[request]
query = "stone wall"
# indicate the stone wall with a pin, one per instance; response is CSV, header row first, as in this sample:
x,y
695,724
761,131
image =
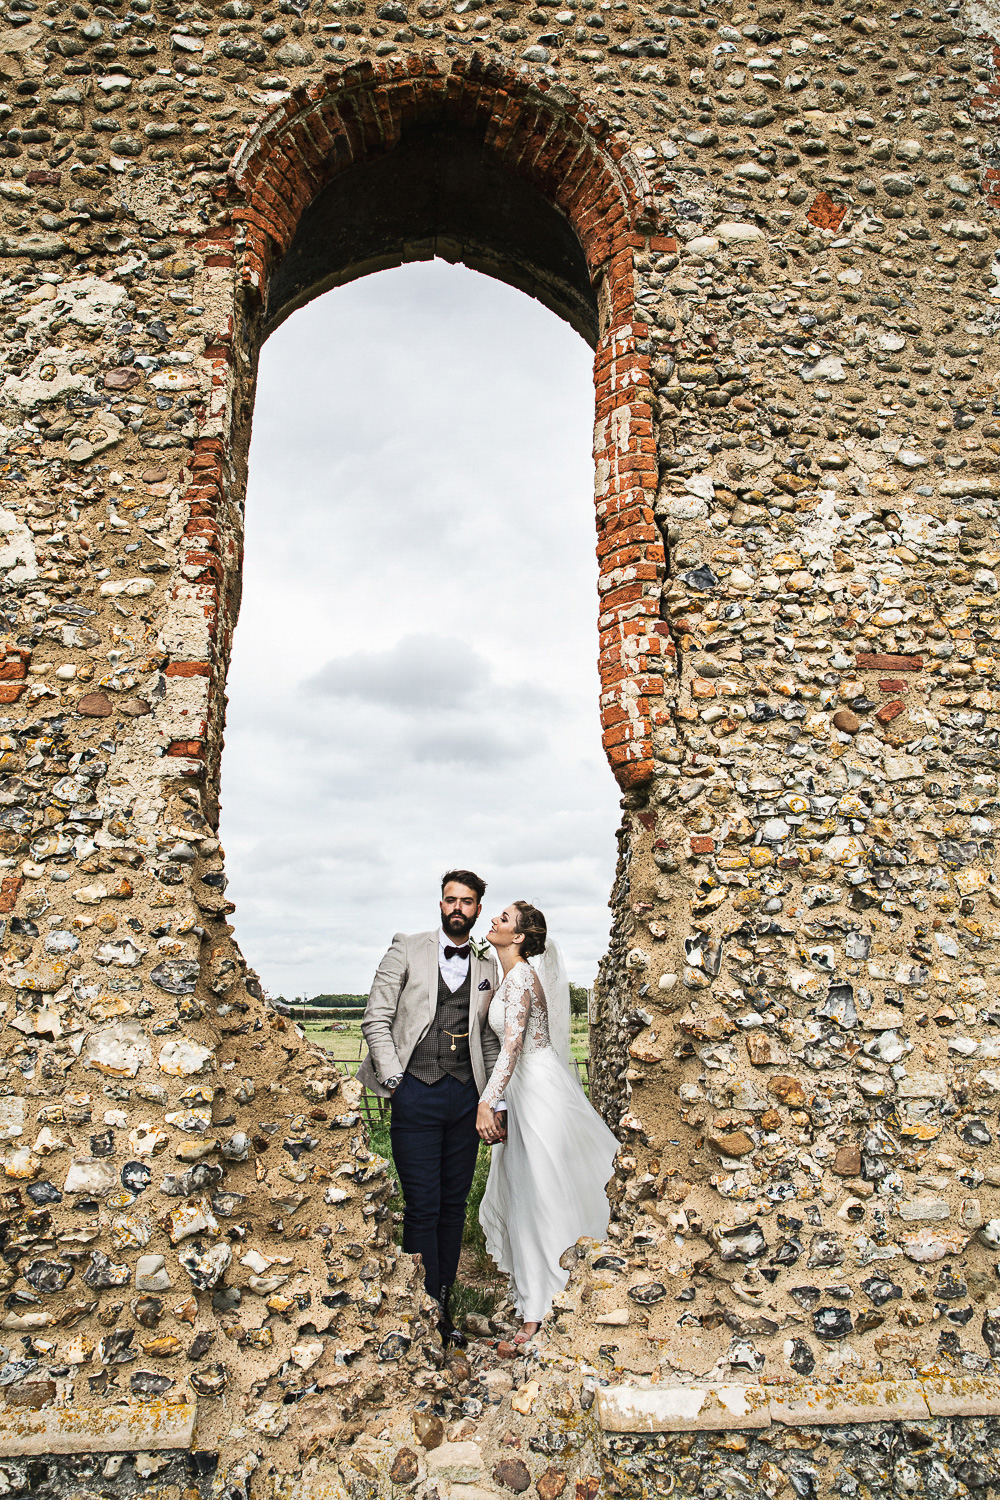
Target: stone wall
x,y
777,227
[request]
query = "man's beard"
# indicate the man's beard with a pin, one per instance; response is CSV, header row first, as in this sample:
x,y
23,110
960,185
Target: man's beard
x,y
457,925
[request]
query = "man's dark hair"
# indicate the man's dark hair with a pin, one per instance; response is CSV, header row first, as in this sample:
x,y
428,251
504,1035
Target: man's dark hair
x,y
465,877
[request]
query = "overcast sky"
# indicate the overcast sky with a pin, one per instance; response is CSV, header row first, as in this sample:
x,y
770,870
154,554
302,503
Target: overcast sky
x,y
414,680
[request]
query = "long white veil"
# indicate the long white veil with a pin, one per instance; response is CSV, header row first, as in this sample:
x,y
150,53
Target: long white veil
x,y
551,971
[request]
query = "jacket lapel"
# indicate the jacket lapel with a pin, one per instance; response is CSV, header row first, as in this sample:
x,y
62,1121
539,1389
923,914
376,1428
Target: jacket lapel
x,y
432,975
475,975
481,968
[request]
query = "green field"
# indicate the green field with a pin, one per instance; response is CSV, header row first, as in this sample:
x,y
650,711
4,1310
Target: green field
x,y
344,1040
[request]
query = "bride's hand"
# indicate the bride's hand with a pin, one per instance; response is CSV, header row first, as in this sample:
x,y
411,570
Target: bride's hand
x,y
486,1124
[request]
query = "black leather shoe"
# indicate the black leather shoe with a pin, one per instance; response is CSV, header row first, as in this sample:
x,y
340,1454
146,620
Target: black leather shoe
x,y
446,1328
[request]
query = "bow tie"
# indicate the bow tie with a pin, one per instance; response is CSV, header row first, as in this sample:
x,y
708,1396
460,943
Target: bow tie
x,y
451,952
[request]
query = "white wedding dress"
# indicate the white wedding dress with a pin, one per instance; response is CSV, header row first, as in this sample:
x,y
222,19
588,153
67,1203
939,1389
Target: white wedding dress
x,y
547,1183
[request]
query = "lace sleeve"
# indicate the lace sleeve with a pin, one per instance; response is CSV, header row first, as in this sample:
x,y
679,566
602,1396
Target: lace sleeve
x,y
516,1010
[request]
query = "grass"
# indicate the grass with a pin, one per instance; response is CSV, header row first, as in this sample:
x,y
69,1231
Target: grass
x,y
347,1044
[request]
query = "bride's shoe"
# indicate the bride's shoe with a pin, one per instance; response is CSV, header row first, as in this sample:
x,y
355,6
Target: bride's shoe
x,y
527,1333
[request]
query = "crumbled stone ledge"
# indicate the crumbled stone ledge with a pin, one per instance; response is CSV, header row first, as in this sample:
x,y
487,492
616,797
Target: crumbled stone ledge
x,y
721,1408
144,1426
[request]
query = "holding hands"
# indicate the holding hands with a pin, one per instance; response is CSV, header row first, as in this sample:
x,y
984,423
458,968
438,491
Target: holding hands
x,y
491,1124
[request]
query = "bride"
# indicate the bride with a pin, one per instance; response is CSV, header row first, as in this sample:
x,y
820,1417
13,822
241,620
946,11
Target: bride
x,y
547,1179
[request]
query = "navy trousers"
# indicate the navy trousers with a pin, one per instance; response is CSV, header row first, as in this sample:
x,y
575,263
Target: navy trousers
x,y
435,1145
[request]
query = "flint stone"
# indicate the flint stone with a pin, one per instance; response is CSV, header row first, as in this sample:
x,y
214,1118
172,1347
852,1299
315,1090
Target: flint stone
x,y
184,1058
923,1210
195,1180
455,1463
178,976
120,1050
210,1380
95,706
149,1383
513,1474
205,1267
924,1245
87,1175
49,1275
744,1243
429,1429
136,1176
103,1273
551,1484
405,1467
188,1219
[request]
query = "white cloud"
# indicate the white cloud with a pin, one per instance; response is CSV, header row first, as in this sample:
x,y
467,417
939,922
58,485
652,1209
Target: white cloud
x,y
414,680
419,674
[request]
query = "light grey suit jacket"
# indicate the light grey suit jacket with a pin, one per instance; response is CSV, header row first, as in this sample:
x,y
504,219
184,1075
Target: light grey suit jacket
x,y
403,1002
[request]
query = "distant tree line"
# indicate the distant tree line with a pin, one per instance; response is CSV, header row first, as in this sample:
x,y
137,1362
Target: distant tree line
x,y
342,1002
577,999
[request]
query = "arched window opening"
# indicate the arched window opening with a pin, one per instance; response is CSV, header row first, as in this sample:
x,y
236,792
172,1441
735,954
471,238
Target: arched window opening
x,y
414,675
436,193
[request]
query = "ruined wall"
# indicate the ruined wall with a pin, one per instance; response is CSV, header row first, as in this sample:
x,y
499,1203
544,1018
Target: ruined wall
x,y
790,276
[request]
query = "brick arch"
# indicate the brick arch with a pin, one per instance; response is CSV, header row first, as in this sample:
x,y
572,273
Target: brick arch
x,y
544,135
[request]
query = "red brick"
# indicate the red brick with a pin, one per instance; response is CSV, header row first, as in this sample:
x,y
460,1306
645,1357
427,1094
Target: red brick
x,y
14,666
187,669
868,660
9,887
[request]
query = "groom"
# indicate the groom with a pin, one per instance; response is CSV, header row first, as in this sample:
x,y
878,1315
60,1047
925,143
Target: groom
x,y
427,1052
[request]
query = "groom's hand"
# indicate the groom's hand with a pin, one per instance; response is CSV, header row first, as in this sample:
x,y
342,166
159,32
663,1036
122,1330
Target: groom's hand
x,y
500,1121
486,1124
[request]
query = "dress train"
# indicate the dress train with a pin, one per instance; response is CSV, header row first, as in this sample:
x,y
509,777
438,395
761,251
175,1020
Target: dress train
x,y
547,1182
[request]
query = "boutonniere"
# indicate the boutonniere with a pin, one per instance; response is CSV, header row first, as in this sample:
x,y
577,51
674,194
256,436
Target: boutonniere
x,y
480,947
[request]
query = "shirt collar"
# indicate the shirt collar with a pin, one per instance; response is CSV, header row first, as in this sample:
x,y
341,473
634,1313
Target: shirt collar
x,y
445,941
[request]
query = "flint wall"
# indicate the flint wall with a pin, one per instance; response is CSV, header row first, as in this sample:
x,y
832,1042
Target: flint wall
x,y
777,228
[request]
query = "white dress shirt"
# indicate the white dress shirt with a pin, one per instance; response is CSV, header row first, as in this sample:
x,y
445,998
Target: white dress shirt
x,y
454,969
453,972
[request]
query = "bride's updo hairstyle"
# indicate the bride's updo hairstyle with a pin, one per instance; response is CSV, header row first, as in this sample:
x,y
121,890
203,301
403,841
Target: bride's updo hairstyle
x,y
531,923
